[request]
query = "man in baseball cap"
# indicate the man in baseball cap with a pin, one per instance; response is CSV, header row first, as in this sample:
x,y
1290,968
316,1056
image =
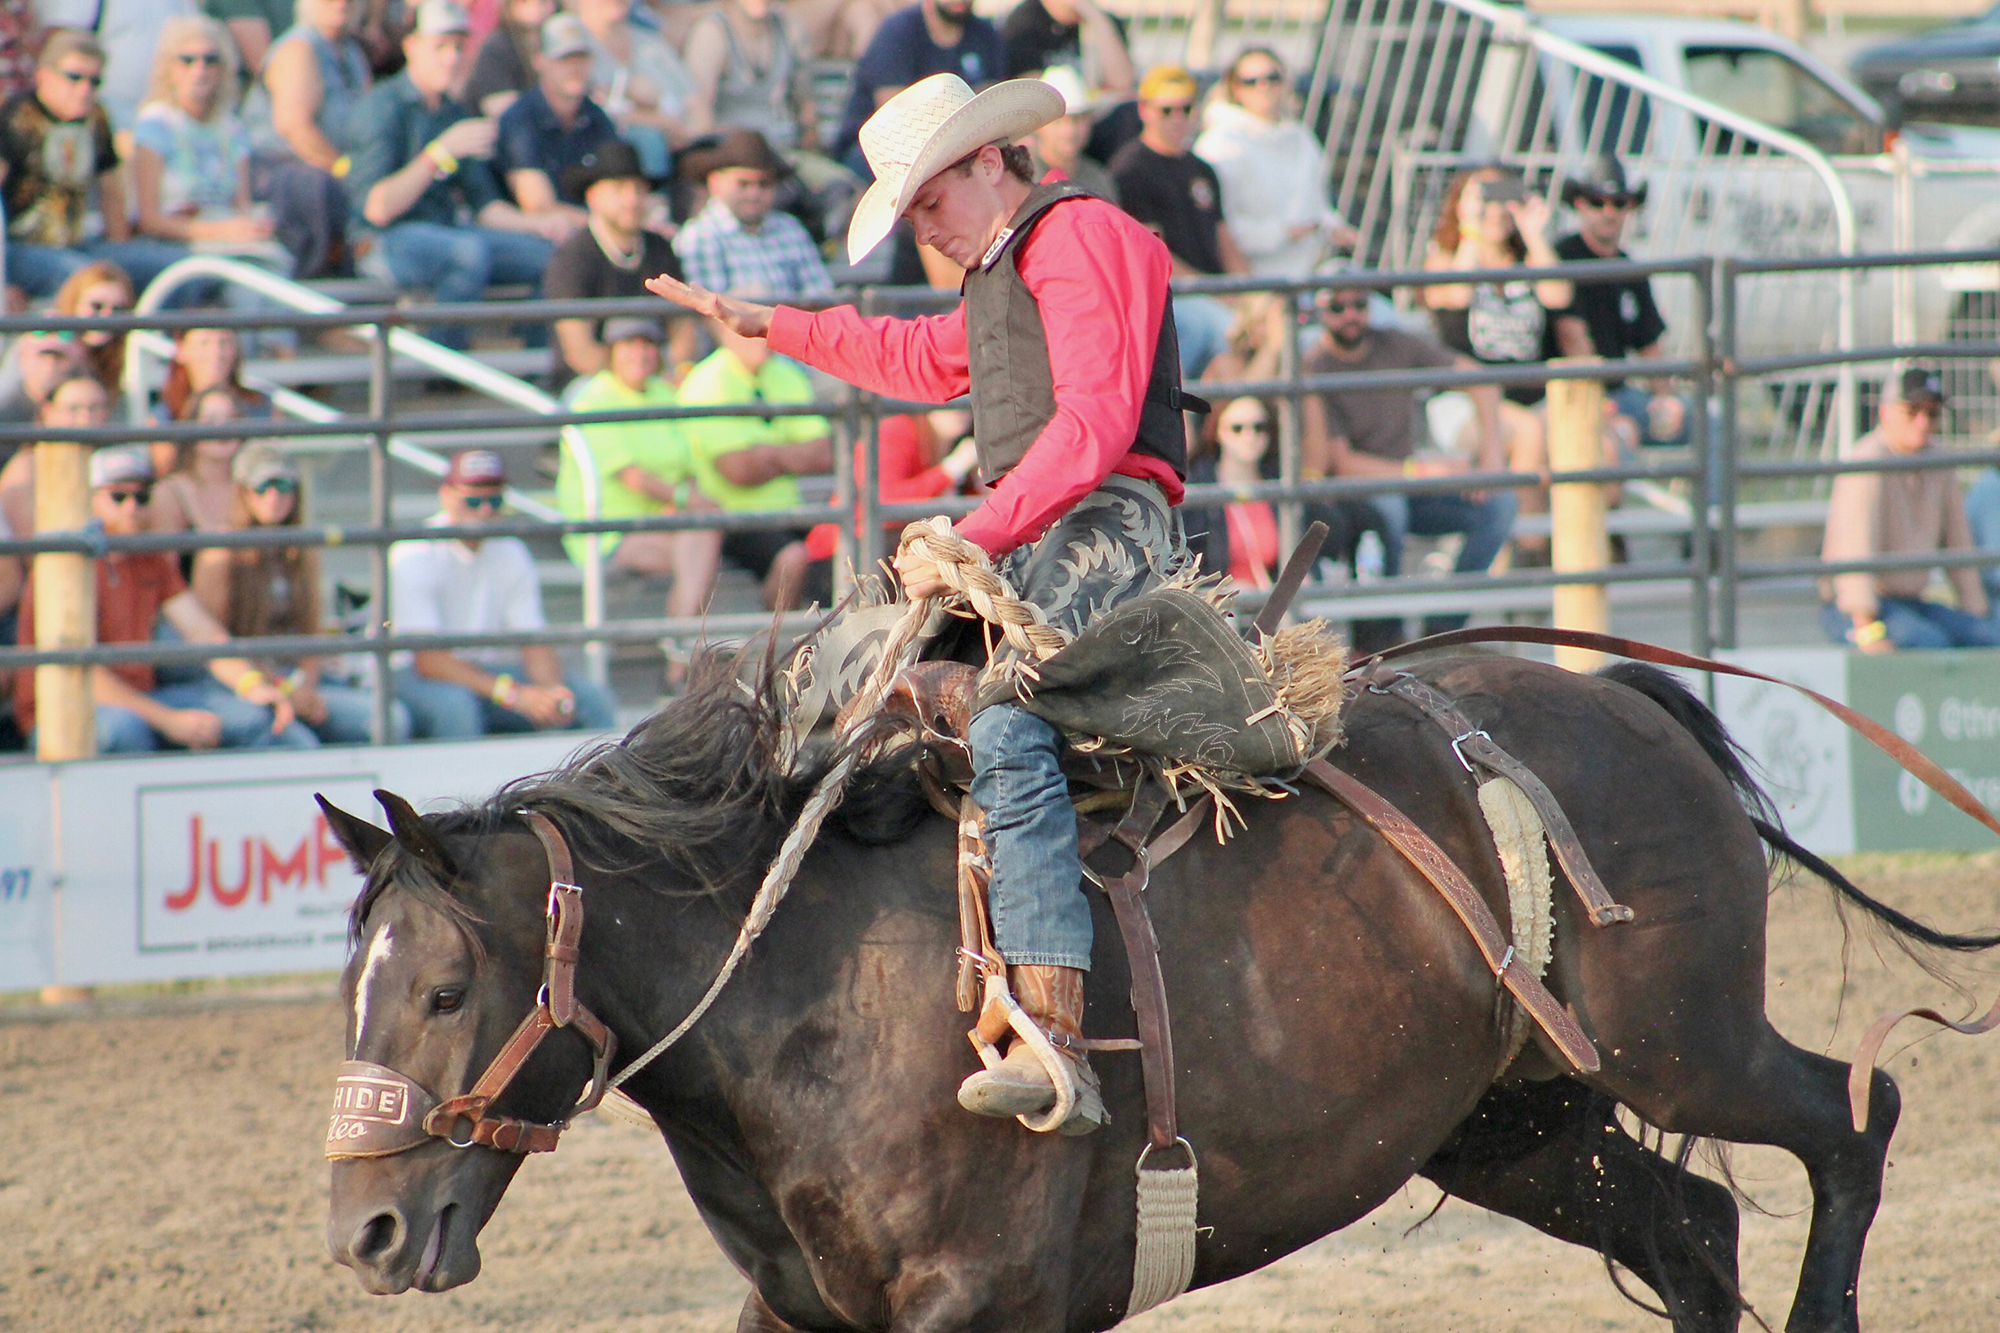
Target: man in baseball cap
x,y
1065,342
471,584
421,177
229,704
1873,514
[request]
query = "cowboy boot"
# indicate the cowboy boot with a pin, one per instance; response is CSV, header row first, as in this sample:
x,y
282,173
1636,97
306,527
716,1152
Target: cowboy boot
x,y
1019,1085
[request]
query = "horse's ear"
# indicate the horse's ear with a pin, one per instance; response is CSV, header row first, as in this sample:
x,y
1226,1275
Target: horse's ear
x,y
363,840
416,836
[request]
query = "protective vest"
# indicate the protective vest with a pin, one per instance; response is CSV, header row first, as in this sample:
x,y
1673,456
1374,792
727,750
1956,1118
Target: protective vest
x,y
1013,390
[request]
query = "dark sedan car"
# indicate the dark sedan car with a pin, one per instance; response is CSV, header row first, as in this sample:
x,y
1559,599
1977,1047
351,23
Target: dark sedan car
x,y
1950,73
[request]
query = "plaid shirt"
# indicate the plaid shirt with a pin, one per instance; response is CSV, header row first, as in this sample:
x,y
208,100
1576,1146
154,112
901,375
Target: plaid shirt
x,y
779,260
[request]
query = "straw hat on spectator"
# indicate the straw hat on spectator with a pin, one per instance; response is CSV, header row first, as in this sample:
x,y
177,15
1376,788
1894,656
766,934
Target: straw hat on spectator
x,y
929,126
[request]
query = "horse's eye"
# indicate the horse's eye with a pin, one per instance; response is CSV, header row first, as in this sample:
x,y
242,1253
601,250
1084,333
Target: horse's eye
x,y
447,1000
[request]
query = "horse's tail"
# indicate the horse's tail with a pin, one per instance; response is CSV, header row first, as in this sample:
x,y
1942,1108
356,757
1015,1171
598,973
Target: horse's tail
x,y
1700,722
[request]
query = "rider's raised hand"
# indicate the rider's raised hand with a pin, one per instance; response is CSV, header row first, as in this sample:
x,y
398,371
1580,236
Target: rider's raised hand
x,y
745,317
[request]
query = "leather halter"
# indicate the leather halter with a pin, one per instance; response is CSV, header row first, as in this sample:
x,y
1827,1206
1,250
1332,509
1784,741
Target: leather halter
x,y
378,1112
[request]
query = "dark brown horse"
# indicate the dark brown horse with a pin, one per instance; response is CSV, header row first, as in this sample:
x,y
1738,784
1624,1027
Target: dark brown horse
x,y
1337,1031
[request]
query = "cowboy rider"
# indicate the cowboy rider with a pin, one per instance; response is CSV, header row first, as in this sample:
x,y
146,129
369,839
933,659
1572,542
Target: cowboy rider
x,y
1065,341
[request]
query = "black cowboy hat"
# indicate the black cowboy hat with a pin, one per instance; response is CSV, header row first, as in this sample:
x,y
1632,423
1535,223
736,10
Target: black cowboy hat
x,y
738,148
612,160
1603,179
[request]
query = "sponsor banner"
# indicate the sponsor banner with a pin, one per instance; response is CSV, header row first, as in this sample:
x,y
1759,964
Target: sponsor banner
x,y
1803,755
1947,704
27,881
191,866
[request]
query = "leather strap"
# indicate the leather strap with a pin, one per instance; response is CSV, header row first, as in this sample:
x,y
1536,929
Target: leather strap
x,y
1474,746
1464,900
1860,1073
1297,566
1142,951
1905,754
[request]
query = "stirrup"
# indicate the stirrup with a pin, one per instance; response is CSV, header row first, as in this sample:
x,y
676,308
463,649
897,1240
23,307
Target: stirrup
x,y
1079,1105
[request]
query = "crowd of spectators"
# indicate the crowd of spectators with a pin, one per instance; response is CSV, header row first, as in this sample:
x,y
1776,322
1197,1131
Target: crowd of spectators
x,y
577,147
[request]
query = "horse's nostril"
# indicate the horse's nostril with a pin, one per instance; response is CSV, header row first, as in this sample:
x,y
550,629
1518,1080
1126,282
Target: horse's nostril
x,y
377,1236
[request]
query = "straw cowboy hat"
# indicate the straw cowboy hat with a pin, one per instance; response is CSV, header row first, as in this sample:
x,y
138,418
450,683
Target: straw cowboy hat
x,y
927,127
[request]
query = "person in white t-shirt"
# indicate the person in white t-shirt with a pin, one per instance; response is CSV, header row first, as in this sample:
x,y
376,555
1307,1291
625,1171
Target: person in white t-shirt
x,y
460,586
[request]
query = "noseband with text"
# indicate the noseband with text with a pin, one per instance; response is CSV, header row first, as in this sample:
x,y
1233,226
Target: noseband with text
x,y
378,1112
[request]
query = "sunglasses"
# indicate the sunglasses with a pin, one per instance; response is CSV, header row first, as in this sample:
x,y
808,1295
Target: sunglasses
x,y
1617,204
1174,108
1342,307
281,486
475,503
1271,80
200,57
55,335
94,80
140,496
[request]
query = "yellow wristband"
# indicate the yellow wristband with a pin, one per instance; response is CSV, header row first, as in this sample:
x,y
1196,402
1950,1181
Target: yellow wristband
x,y
1410,468
443,161
503,690
1872,632
247,682
1312,474
341,166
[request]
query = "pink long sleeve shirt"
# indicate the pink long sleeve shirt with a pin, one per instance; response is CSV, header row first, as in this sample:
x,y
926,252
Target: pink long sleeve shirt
x,y
1100,281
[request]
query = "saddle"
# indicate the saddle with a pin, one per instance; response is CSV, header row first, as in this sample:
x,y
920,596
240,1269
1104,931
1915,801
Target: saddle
x,y
936,700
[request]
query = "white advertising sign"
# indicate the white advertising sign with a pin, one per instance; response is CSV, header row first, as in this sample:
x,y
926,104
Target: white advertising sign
x,y
221,864
1800,750
27,882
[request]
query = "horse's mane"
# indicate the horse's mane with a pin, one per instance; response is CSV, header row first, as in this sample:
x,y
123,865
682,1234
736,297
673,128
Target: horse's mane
x,y
704,784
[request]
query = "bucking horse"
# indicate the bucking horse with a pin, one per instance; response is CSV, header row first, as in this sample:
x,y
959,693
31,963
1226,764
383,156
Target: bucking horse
x,y
1337,1030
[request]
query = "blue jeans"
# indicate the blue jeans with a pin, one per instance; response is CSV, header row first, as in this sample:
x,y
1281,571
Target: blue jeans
x,y
1915,623
1982,511
1486,524
458,264
1201,323
1039,912
350,717
244,725
39,269
440,710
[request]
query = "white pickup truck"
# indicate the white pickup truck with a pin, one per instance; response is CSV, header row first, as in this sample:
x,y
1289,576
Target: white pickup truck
x,y
1751,147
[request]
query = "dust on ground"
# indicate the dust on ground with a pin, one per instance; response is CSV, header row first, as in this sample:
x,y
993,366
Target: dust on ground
x,y
161,1171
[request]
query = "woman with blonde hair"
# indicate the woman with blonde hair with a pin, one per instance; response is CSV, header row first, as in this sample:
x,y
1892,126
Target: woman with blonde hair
x,y
274,590
1272,169
191,155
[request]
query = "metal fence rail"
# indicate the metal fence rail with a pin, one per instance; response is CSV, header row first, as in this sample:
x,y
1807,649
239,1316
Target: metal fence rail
x,y
1717,373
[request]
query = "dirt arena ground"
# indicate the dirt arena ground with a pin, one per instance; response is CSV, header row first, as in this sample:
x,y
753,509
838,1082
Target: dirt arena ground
x,y
161,1171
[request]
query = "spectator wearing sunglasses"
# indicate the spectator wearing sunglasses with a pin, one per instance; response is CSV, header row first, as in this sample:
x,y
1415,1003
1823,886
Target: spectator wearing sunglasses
x,y
35,365
256,592
1374,433
1901,513
98,289
1616,319
1271,169
231,704
1179,197
191,155
473,585
55,140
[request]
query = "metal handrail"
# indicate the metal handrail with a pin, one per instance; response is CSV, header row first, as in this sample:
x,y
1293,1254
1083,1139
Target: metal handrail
x,y
453,365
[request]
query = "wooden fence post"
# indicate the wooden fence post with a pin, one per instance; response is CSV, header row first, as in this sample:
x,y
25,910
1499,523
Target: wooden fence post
x,y
65,605
1578,540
